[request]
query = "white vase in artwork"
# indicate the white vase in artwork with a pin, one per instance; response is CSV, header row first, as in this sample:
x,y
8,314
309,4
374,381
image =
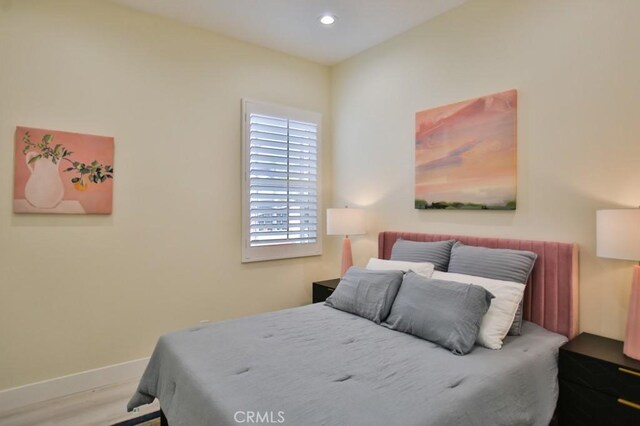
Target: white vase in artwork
x,y
44,188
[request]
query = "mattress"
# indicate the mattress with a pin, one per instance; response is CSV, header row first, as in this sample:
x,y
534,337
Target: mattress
x,y
315,365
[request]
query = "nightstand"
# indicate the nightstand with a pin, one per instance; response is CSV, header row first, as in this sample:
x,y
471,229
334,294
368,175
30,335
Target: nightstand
x,y
598,384
323,289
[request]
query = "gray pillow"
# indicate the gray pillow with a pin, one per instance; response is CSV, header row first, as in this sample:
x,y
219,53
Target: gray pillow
x,y
444,312
366,293
436,252
498,264
516,325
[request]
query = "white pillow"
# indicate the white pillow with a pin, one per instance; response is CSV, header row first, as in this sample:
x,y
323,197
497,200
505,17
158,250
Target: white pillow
x,y
421,268
497,321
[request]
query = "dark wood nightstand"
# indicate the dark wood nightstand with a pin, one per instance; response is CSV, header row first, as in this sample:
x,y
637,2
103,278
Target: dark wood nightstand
x,y
599,385
323,289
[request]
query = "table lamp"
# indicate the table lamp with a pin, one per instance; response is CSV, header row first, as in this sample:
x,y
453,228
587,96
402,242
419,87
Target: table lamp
x,y
618,237
345,222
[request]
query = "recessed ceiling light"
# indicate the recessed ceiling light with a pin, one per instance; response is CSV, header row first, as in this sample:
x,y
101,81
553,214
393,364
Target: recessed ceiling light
x,y
327,19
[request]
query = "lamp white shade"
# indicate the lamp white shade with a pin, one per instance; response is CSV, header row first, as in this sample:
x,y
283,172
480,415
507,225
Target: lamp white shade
x,y
618,234
345,221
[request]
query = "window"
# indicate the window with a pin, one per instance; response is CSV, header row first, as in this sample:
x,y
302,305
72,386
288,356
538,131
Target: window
x,y
281,215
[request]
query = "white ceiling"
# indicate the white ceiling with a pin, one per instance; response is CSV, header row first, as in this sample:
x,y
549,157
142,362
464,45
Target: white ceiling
x,y
292,26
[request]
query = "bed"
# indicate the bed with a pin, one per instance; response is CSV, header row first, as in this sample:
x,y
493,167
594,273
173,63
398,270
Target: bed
x,y
315,365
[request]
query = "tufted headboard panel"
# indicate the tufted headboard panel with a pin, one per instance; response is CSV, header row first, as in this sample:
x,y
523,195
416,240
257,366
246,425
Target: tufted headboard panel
x,y
551,295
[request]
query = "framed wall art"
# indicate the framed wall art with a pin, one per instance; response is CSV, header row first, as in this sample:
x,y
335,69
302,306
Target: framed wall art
x,y
62,172
466,154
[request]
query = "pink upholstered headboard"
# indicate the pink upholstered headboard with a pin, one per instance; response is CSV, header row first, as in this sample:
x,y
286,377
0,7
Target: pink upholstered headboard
x,y
551,295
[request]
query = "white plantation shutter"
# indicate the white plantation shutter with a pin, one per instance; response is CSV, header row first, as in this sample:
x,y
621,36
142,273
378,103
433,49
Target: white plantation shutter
x,y
281,211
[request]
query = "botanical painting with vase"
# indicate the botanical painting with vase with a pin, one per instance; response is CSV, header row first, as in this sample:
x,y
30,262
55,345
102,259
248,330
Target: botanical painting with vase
x,y
62,172
466,154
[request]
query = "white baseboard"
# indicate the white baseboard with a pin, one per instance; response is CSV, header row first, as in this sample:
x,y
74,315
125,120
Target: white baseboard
x,y
13,398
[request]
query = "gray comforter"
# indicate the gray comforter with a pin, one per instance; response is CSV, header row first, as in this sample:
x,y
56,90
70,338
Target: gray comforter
x,y
315,365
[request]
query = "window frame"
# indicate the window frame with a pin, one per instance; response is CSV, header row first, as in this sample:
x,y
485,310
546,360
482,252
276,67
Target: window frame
x,y
278,251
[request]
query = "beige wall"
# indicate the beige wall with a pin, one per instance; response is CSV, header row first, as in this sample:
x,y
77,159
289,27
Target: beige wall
x,y
82,292
576,65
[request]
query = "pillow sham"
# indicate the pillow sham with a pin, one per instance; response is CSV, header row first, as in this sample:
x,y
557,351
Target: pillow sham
x,y
436,252
368,294
497,264
498,319
444,312
422,268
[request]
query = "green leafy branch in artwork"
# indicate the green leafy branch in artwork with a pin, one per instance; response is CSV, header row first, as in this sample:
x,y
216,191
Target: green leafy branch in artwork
x,y
44,149
94,172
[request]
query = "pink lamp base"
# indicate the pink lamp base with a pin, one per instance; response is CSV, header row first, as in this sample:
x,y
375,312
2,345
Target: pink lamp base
x,y
632,338
347,258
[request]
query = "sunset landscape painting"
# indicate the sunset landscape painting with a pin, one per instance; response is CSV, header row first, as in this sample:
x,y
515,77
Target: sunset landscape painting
x,y
466,154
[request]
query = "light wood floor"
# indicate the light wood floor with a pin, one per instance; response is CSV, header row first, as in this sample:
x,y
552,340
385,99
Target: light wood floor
x,y
101,406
